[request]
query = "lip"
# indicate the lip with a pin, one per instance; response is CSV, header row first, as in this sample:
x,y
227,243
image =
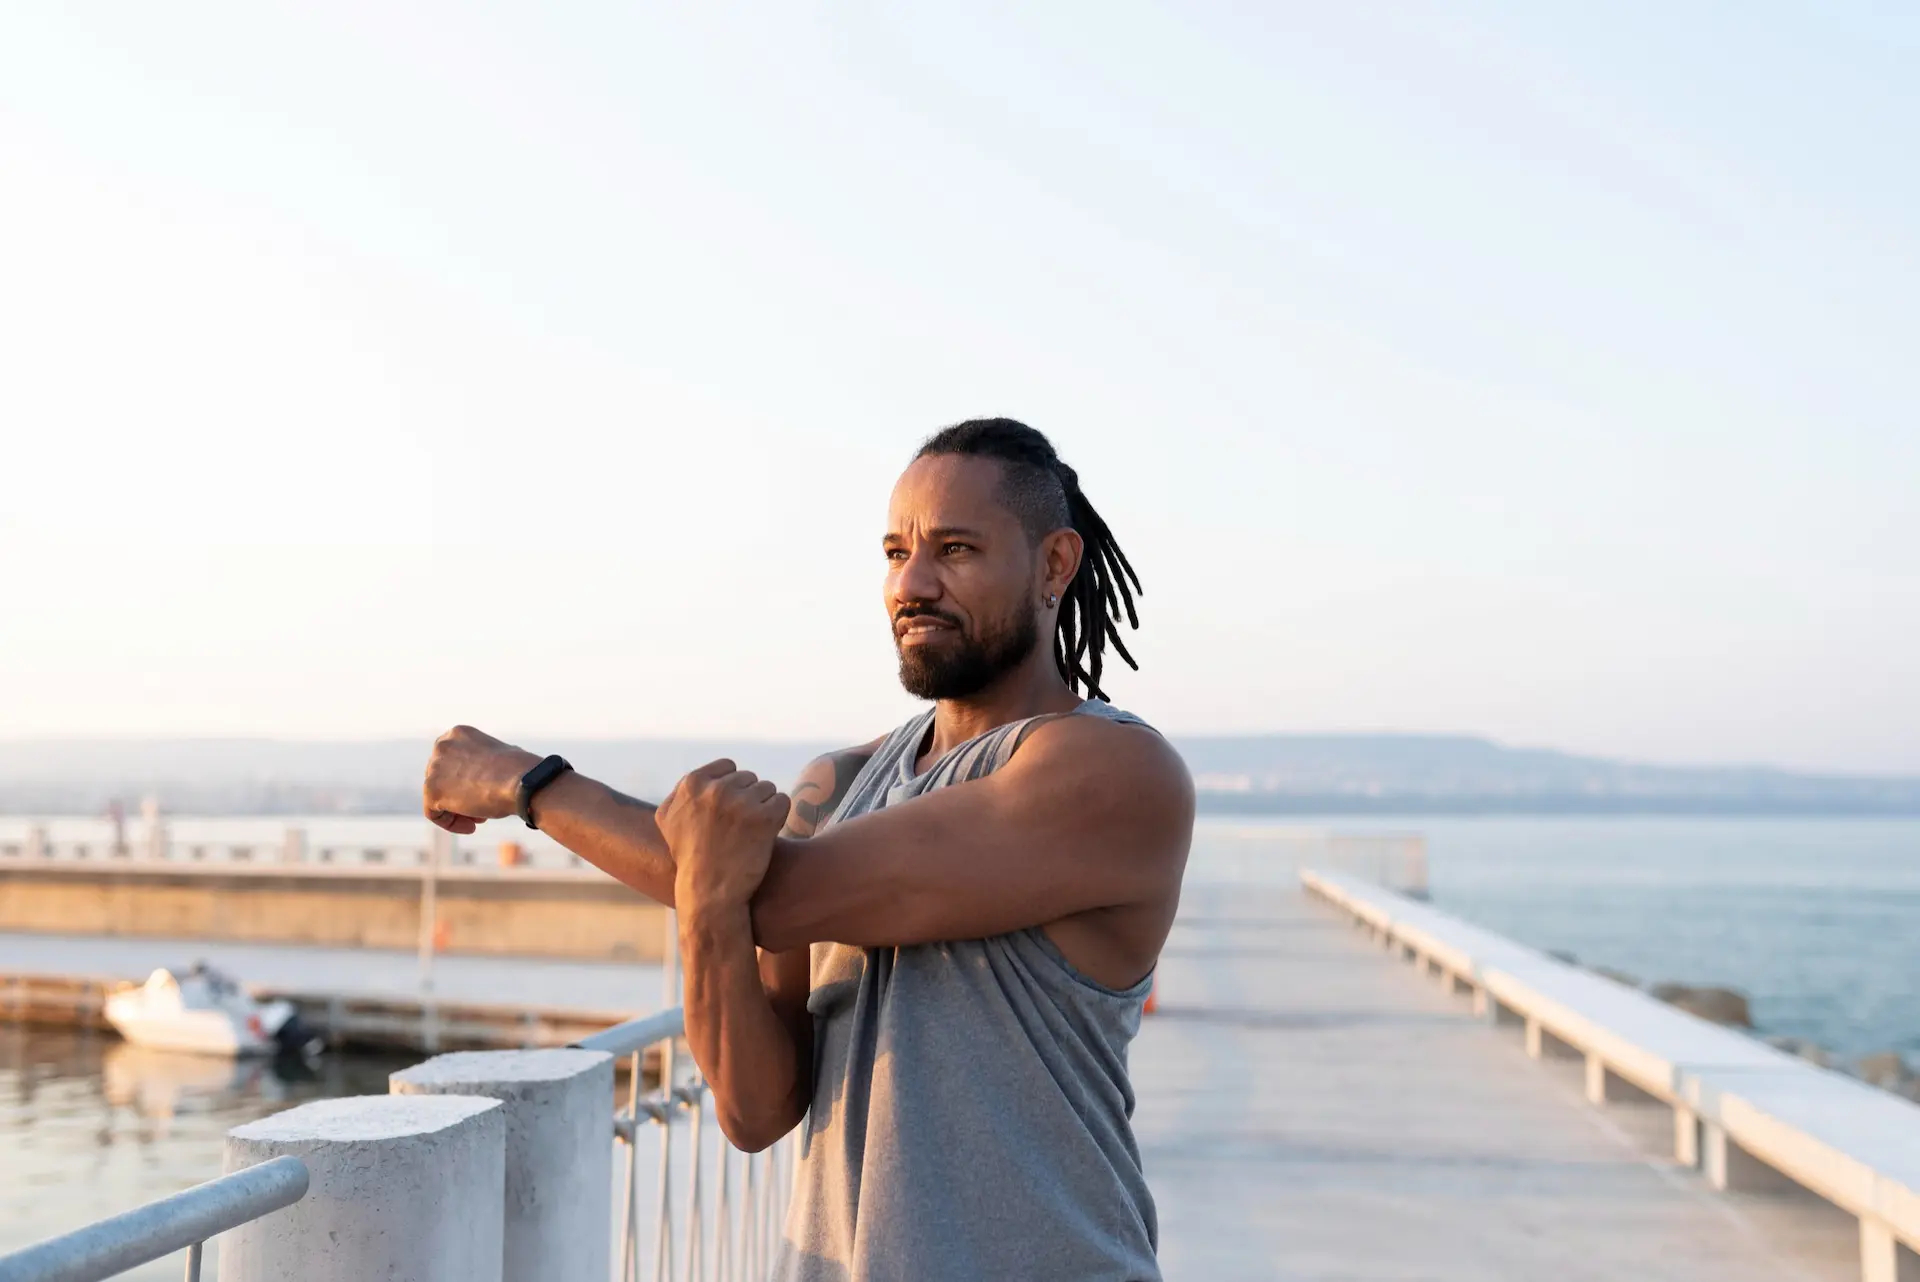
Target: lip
x,y
920,629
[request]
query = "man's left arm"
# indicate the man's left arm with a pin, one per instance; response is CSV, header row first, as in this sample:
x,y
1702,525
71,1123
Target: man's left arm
x,y
1088,815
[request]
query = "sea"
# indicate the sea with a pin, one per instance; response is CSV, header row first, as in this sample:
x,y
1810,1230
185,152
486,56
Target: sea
x,y
1817,921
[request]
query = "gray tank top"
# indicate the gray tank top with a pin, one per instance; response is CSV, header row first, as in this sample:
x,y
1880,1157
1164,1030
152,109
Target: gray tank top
x,y
971,1116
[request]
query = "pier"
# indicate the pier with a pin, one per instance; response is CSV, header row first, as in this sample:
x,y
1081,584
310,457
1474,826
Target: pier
x,y
292,891
1312,1106
1339,1082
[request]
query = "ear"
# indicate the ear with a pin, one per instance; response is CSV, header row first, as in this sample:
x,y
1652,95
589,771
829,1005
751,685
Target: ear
x,y
1060,554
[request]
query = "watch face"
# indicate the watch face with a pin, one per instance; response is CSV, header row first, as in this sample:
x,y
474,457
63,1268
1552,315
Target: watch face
x,y
549,769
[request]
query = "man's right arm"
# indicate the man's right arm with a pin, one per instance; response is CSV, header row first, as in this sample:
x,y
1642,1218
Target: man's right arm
x,y
473,777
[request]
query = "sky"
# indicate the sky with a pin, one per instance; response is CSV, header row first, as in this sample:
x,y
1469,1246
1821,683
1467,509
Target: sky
x,y
1543,371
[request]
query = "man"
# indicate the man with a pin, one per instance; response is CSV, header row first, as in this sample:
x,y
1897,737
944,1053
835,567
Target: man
x,y
956,927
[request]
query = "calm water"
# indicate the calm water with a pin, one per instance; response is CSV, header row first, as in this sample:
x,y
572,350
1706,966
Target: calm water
x,y
1817,920
90,1126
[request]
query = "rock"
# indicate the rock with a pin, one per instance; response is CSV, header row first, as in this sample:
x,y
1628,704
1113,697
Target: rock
x,y
1561,955
1715,1005
1812,1052
1888,1070
1617,976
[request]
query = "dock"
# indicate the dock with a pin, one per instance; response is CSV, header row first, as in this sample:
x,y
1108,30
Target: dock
x,y
357,998
1311,1107
1349,1084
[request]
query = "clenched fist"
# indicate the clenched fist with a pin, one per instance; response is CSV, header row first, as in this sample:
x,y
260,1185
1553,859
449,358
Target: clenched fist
x,y
720,822
473,777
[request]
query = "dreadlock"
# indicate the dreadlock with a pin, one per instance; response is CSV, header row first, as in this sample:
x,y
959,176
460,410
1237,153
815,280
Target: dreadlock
x,y
1045,494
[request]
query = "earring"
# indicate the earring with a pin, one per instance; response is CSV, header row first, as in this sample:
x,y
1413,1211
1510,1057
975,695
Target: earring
x,y
1052,600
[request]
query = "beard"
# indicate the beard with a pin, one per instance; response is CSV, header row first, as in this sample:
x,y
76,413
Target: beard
x,y
967,664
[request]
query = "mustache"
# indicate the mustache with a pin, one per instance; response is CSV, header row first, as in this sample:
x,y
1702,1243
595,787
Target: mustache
x,y
923,612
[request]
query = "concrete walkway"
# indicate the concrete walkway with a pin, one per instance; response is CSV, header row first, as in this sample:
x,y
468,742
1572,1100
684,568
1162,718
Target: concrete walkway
x,y
1311,1108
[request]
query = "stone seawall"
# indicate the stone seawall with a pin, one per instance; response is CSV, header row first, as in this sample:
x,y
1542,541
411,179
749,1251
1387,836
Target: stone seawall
x,y
515,912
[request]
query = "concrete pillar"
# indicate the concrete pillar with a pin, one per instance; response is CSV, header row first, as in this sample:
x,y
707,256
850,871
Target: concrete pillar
x,y
293,847
153,843
558,1106
1883,1258
1732,1169
1607,1087
1686,1136
402,1187
37,845
1542,1044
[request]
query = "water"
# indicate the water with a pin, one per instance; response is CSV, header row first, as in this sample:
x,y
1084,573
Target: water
x,y
1817,920
90,1126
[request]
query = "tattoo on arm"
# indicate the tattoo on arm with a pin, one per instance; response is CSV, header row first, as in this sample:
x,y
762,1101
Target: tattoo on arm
x,y
822,787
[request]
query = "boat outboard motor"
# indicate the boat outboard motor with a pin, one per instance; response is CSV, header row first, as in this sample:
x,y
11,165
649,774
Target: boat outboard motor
x,y
296,1037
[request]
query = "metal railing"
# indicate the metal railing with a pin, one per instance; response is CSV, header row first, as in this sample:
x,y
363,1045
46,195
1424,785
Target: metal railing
x,y
739,1241
182,1222
159,849
750,1191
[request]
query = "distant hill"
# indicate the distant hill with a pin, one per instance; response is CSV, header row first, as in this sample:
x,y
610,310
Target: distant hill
x,y
1461,773
1274,774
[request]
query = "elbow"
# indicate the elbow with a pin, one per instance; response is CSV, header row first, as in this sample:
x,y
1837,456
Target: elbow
x,y
755,1125
755,1133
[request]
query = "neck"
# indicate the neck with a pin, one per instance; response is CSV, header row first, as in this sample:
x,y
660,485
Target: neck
x,y
1029,690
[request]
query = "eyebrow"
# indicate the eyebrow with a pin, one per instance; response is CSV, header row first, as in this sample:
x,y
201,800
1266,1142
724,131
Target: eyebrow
x,y
941,532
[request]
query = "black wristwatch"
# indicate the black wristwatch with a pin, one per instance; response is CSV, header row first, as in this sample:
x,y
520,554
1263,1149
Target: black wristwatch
x,y
549,769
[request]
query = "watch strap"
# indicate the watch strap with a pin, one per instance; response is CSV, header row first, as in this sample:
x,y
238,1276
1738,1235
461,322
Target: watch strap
x,y
545,772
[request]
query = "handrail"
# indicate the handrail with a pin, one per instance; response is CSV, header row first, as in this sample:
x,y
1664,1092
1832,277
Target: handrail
x,y
637,1034
158,1229
1745,1114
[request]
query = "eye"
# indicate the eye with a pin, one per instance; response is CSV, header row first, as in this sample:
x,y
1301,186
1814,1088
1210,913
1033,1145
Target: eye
x,y
951,548
896,554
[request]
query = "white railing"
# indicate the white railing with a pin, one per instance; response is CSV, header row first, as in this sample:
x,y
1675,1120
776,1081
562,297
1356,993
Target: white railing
x,y
291,848
665,1231
182,1222
749,1207
1746,1115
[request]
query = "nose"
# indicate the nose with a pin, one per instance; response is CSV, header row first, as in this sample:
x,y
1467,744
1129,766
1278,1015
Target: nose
x,y
915,579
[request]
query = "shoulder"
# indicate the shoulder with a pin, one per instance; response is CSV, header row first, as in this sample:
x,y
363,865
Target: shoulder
x,y
823,784
1127,761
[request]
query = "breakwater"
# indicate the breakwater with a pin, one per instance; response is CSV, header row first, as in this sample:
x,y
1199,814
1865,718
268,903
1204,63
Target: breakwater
x,y
574,913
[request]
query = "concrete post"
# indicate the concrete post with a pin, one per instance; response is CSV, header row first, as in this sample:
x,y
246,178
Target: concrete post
x,y
1730,1168
293,847
558,1106
1536,1039
156,828
402,1187
1883,1258
1686,1137
1607,1087
37,847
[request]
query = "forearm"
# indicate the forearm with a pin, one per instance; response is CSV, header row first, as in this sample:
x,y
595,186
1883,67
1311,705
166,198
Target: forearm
x,y
610,830
751,1060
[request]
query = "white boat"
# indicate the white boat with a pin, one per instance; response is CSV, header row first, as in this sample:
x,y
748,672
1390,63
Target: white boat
x,y
204,1012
